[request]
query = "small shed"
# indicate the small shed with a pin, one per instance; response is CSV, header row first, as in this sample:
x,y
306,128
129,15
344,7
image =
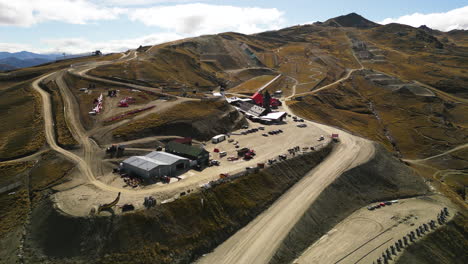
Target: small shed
x,y
190,152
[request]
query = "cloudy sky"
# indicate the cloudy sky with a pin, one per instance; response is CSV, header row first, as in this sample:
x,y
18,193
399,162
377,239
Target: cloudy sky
x,y
74,26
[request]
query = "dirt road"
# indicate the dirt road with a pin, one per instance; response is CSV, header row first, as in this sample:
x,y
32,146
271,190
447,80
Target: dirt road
x,y
328,85
71,111
364,235
258,241
438,155
50,133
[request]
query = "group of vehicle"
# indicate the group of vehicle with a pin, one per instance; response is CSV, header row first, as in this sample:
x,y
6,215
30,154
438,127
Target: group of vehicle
x,y
381,204
252,130
273,132
296,119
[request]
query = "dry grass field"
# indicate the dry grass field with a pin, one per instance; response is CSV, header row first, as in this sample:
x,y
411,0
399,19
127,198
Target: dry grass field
x,y
420,126
21,132
251,86
178,120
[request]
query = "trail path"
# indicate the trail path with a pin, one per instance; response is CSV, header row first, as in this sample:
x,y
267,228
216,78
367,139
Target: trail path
x,y
438,155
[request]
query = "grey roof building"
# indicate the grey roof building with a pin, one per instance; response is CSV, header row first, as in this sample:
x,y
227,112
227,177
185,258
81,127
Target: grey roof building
x,y
156,164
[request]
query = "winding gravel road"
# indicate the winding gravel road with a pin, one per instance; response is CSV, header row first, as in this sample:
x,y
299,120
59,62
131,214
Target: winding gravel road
x,y
258,241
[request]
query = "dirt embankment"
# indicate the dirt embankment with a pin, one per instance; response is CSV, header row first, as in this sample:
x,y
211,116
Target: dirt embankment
x,y
447,245
176,232
381,178
200,120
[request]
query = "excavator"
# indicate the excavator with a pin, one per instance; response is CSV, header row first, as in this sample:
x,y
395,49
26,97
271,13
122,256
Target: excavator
x,y
103,207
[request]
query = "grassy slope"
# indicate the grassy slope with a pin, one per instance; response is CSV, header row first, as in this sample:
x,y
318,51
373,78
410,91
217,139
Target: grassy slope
x,y
185,113
21,132
166,66
252,85
414,57
421,127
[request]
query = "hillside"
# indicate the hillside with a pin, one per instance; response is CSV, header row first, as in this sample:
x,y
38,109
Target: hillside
x,y
350,20
393,96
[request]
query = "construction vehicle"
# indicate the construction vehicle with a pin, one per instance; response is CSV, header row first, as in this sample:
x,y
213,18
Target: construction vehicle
x,y
335,137
108,206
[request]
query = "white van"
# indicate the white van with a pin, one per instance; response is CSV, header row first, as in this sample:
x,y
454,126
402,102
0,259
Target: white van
x,y
218,138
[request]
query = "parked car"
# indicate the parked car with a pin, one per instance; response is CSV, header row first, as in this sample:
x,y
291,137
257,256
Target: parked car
x,y
261,128
370,208
232,158
265,135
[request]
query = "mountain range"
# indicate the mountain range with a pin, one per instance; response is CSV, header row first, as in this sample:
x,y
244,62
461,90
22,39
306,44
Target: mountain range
x,y
23,59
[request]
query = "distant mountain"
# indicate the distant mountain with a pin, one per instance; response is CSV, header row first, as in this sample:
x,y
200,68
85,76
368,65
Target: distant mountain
x,y
350,20
24,55
6,67
23,59
18,63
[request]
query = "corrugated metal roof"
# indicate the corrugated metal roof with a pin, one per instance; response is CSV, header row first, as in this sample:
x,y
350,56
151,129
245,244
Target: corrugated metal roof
x,y
141,162
252,109
153,160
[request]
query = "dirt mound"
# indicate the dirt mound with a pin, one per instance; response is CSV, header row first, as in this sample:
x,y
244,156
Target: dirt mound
x,y
381,178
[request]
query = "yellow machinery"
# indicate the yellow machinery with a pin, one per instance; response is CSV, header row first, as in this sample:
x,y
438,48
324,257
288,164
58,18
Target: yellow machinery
x,y
103,207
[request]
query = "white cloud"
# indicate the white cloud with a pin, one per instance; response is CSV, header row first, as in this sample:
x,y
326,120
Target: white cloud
x,y
14,47
30,12
79,45
144,2
198,19
453,19
82,45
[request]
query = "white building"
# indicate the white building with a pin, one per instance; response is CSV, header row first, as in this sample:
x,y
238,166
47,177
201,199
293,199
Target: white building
x,y
156,164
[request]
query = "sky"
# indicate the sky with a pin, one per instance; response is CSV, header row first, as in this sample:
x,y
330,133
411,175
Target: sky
x,y
76,26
